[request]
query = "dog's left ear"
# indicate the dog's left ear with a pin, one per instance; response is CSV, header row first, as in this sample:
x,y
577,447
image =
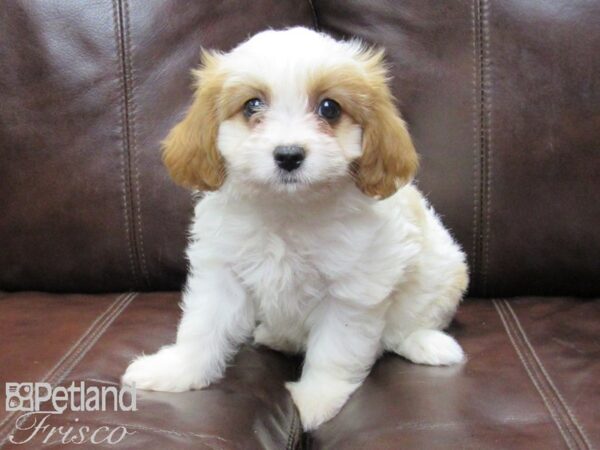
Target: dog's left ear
x,y
389,160
190,150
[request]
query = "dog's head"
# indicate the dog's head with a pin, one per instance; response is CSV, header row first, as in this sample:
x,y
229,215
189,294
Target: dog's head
x,y
290,110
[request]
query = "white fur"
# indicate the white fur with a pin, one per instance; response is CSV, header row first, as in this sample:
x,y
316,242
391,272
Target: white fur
x,y
311,266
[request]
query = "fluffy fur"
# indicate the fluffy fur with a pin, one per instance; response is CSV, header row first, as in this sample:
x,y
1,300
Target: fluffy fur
x,y
341,259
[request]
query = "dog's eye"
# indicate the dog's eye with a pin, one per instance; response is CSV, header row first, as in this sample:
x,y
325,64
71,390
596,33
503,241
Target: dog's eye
x,y
329,109
252,106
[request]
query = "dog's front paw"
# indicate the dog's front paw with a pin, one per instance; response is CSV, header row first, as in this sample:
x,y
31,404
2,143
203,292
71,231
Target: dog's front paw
x,y
171,369
320,401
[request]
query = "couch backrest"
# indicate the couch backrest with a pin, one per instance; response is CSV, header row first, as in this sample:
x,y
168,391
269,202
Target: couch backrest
x,y
502,98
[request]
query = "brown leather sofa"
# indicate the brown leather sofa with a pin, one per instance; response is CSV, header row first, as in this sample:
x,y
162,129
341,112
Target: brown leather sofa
x,y
503,101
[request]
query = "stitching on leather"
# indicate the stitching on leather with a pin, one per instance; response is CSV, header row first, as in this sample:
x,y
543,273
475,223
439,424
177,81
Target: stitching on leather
x,y
93,338
89,337
476,125
99,381
487,111
72,348
482,150
315,16
95,324
554,408
556,391
124,140
542,381
481,142
80,349
536,370
532,377
129,157
129,73
293,432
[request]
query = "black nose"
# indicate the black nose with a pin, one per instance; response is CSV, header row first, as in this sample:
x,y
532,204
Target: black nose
x,y
289,157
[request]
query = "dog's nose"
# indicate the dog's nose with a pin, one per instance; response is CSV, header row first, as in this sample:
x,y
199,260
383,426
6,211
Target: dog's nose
x,y
289,157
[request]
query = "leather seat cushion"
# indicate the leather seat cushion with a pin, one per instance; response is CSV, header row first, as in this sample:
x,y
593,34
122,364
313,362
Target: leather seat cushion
x,y
531,379
65,338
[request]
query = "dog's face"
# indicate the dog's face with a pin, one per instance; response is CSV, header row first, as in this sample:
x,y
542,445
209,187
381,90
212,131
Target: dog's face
x,y
288,111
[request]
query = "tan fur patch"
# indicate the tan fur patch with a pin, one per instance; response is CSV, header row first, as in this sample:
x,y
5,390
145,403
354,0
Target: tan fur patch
x,y
189,151
389,158
235,95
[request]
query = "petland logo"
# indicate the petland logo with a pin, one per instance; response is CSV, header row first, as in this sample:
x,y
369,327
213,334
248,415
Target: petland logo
x,y
39,401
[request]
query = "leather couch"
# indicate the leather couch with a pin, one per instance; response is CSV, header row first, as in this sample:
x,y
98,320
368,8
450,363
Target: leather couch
x,y
503,101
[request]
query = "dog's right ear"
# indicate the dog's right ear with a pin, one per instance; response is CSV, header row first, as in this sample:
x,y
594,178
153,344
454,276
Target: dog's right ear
x,y
190,150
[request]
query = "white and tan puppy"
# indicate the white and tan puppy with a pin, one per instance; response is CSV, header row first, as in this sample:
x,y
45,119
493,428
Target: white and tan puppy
x,y
313,239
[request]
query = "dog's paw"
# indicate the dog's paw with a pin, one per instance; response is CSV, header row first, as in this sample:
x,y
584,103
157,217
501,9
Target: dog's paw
x,y
431,347
318,402
169,370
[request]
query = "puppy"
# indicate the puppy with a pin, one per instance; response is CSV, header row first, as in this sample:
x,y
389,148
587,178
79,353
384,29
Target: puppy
x,y
312,238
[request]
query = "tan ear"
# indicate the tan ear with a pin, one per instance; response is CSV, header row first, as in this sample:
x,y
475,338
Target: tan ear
x,y
189,151
389,159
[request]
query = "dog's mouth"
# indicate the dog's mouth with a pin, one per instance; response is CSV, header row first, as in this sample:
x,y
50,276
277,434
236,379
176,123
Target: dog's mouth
x,y
290,179
290,182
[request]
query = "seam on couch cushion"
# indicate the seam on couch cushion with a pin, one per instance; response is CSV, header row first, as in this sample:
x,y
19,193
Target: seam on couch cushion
x,y
124,141
129,84
76,352
128,158
563,417
545,373
294,432
486,82
481,143
475,109
94,324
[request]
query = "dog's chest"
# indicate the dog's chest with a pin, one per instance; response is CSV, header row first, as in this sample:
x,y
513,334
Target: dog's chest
x,y
280,267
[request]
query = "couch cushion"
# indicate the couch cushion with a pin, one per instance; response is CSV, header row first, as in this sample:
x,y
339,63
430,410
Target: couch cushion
x,y
531,381
87,92
501,98
503,102
61,339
